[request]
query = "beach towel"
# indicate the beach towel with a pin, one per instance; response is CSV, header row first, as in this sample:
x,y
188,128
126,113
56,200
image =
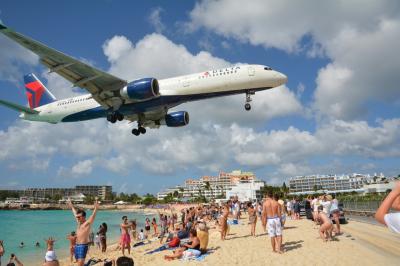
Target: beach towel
x,y
163,247
141,243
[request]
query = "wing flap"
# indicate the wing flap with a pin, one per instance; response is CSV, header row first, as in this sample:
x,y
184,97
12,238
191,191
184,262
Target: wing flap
x,y
17,107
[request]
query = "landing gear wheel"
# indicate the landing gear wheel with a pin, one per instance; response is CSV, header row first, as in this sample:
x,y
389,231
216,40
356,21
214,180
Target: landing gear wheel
x,y
109,117
247,106
142,130
113,119
119,116
135,132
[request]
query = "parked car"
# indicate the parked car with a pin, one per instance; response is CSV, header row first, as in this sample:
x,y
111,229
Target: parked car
x,y
308,212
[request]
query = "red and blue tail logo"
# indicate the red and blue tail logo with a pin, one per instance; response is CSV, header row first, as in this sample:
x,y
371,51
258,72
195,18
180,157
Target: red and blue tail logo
x,y
36,92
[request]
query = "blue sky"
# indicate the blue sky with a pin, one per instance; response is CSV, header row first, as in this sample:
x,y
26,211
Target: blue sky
x,y
338,113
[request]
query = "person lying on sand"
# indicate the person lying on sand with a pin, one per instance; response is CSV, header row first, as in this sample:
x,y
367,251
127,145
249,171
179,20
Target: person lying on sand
x,y
382,215
191,249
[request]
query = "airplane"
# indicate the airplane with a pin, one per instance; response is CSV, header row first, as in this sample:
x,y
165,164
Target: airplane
x,y
145,100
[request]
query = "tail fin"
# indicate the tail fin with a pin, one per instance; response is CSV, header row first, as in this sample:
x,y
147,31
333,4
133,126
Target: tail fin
x,y
36,92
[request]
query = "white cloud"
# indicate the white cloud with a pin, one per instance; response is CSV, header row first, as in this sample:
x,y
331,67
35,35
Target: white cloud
x,y
82,168
15,60
210,141
361,42
155,19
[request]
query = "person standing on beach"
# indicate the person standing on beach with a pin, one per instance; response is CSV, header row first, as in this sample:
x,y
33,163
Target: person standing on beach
x,y
335,214
223,221
325,231
272,211
154,223
82,231
252,218
72,242
125,240
103,237
382,215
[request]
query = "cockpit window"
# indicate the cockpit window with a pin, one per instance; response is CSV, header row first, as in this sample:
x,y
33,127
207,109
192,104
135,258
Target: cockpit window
x,y
267,68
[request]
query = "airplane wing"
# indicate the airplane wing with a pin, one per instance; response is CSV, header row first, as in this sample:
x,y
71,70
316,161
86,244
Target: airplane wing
x,y
103,86
18,107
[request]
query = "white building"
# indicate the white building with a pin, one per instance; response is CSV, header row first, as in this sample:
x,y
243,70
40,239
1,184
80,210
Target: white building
x,y
326,184
246,190
210,187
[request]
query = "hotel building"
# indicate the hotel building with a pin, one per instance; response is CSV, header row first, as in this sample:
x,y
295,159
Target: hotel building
x,y
326,183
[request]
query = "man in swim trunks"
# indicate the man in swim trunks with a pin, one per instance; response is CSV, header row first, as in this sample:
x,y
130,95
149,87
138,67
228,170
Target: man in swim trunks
x,y
125,240
82,231
272,212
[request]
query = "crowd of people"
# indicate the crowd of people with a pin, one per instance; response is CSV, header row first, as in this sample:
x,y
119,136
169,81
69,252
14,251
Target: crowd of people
x,y
187,234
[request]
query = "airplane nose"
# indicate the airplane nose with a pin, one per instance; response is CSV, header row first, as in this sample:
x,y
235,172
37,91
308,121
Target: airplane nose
x,y
281,78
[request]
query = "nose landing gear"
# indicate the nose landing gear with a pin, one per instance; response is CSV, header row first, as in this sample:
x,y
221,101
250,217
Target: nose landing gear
x,y
247,105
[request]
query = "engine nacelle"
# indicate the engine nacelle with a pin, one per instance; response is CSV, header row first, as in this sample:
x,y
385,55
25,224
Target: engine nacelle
x,y
141,89
176,119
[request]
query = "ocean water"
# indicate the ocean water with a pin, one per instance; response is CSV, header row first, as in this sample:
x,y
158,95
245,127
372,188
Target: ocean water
x,y
35,226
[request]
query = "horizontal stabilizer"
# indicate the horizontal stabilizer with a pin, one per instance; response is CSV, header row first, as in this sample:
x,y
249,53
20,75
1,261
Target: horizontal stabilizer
x,y
18,107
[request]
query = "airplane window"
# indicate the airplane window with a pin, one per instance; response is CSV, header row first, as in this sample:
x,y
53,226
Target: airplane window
x,y
267,68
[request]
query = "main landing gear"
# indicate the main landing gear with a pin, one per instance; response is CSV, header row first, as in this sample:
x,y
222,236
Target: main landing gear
x,y
139,130
247,106
114,117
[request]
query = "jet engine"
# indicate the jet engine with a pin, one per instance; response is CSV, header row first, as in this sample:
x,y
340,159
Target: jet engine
x,y
176,119
141,89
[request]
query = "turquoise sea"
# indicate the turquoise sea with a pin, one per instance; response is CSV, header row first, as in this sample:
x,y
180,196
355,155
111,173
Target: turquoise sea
x,y
32,226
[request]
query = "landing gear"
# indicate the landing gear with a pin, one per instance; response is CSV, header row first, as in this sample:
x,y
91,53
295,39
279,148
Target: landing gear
x,y
139,130
247,106
114,116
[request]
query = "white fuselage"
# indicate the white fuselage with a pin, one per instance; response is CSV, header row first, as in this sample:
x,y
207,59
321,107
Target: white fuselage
x,y
231,79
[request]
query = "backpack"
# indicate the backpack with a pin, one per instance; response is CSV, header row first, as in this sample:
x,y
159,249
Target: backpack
x,y
174,242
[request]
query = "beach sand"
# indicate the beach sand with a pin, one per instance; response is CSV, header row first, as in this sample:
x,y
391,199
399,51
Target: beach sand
x,y
360,244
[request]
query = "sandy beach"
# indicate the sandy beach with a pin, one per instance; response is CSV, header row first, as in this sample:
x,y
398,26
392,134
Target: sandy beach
x,y
360,244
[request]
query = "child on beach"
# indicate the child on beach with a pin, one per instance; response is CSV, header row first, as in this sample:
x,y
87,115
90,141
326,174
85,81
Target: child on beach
x,y
50,257
391,220
72,242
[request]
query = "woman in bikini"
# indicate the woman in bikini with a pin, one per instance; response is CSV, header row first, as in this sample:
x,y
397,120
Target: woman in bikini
x,y
252,218
223,221
154,223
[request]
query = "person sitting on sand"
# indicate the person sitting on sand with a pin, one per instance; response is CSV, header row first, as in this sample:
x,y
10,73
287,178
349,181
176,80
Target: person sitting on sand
x,y
382,215
191,249
125,240
83,229
252,218
325,230
72,242
202,234
272,212
50,258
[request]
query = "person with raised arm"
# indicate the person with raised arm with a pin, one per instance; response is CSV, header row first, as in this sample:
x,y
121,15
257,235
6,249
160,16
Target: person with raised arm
x,y
83,230
392,201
